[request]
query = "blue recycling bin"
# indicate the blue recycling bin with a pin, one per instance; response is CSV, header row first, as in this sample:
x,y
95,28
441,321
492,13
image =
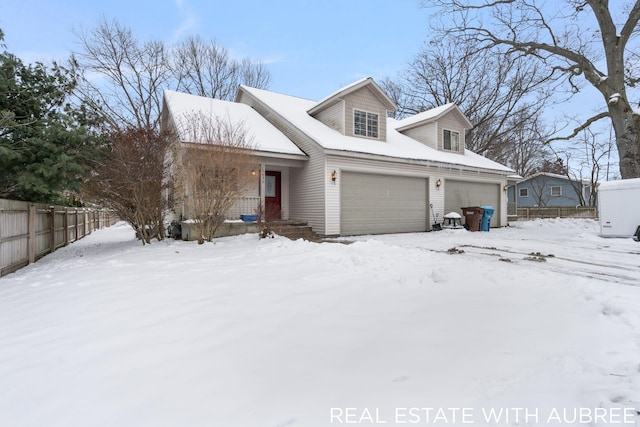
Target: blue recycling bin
x,y
485,224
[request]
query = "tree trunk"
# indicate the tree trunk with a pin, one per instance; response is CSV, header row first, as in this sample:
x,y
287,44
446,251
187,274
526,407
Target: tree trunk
x,y
626,126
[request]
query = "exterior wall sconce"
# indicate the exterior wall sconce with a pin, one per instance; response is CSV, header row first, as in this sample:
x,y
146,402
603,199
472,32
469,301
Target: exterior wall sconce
x,y
334,176
253,172
505,188
438,184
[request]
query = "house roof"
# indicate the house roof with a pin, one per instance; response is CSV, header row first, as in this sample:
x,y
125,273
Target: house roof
x,y
432,115
265,137
340,93
553,175
295,111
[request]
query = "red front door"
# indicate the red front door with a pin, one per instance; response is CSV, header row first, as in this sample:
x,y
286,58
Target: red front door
x,y
272,195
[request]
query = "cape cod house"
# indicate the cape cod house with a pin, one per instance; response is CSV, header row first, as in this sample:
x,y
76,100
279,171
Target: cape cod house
x,y
346,168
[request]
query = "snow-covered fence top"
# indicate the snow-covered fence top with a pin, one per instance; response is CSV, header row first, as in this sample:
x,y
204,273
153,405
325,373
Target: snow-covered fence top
x,y
29,231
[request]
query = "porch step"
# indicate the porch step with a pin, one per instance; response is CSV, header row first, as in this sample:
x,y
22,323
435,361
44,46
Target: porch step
x,y
293,230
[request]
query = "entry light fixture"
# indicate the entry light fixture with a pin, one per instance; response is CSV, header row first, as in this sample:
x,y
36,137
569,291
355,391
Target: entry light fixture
x,y
505,188
334,176
438,184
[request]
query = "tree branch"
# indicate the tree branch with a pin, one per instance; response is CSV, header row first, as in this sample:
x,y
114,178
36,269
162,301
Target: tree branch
x,y
580,128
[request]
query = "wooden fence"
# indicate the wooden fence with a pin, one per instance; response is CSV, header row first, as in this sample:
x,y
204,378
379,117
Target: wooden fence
x,y
29,231
525,214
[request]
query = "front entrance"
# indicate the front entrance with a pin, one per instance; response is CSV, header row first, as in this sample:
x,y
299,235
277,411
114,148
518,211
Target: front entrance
x,y
272,195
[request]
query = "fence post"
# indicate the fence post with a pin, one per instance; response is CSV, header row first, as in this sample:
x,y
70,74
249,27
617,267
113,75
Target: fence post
x,y
52,228
31,245
76,223
65,222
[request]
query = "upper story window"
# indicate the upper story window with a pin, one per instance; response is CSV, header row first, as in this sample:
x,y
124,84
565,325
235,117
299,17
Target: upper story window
x,y
365,124
556,190
524,192
450,140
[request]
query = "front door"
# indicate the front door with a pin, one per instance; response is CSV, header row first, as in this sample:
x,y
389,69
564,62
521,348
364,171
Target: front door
x,y
272,195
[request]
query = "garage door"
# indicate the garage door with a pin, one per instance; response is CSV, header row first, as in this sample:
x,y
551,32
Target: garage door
x,y
459,194
373,204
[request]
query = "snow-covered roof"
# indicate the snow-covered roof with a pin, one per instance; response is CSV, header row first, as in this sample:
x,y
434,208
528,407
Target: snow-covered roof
x,y
431,116
295,110
367,81
265,137
555,175
620,184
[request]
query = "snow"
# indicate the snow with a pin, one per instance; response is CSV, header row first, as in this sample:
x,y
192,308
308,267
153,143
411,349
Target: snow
x,y
397,145
542,315
265,136
619,184
613,99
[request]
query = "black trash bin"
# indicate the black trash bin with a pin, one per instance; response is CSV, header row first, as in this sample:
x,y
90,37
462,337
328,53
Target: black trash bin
x,y
472,217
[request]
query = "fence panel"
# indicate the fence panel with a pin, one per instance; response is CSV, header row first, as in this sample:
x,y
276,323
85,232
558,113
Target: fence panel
x,y
525,214
29,231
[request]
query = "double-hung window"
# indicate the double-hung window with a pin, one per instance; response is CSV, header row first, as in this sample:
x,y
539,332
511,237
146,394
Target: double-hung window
x,y
524,192
450,140
365,124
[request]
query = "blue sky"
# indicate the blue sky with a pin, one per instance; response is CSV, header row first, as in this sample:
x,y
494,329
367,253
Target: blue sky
x,y
311,47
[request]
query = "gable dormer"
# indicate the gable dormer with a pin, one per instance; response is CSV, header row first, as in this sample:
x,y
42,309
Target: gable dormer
x,y
442,128
359,110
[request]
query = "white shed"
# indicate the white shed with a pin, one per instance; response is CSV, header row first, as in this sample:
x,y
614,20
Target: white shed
x,y
619,207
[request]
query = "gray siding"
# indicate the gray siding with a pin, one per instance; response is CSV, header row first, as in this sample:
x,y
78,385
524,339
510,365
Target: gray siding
x,y
427,134
333,116
364,100
307,184
450,122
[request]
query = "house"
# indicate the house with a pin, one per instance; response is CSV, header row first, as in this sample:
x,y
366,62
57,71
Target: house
x,y
550,190
346,168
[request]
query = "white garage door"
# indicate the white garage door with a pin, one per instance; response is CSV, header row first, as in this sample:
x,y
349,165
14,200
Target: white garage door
x,y
462,194
374,204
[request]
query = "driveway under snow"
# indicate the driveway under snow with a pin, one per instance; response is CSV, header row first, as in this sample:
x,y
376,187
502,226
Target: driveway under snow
x,y
530,322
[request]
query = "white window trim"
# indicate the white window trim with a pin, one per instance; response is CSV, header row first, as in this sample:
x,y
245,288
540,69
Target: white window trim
x,y
452,148
366,124
520,192
556,186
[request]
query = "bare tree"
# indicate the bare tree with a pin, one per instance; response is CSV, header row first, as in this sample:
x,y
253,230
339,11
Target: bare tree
x,y
207,69
525,150
579,41
123,78
215,169
131,180
587,156
500,93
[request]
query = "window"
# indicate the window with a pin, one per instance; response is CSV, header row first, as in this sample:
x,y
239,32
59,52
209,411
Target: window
x,y
556,191
365,124
524,192
451,140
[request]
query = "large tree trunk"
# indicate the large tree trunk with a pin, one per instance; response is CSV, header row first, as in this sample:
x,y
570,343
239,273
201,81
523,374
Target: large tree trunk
x,y
626,126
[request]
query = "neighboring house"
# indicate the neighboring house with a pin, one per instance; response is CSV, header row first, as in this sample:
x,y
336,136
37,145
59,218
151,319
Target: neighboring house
x,y
345,167
549,190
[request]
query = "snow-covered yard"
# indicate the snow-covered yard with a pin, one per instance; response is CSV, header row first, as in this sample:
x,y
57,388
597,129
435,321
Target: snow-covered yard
x,y
393,329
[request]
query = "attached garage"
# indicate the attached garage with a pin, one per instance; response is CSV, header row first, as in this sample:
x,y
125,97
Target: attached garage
x,y
375,204
459,194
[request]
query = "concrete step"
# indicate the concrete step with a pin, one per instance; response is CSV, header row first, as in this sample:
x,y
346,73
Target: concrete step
x,y
292,230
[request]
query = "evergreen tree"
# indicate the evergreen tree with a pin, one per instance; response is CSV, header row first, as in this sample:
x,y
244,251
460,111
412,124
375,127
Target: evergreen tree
x,y
45,144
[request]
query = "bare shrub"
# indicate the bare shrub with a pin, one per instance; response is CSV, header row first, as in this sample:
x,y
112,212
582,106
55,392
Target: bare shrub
x,y
131,179
215,169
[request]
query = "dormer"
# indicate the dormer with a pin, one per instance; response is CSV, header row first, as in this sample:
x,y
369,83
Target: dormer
x,y
358,110
442,128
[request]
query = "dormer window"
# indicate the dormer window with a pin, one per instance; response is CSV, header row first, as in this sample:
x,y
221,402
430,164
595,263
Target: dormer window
x,y
451,140
365,124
